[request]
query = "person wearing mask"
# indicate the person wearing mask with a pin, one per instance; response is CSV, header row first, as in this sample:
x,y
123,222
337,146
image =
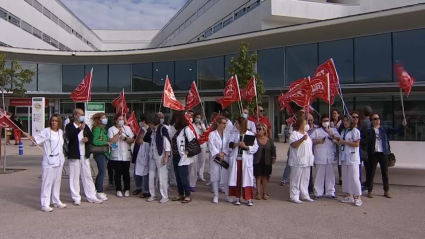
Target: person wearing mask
x,y
312,127
141,168
251,125
159,151
171,131
229,127
200,129
260,118
324,158
109,167
336,123
100,138
300,159
80,137
264,158
193,167
52,164
122,137
363,144
350,160
241,177
180,159
17,129
379,150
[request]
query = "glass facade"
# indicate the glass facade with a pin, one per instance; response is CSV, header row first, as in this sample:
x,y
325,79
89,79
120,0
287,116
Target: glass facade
x,y
72,75
32,86
119,77
301,61
49,77
270,66
211,73
142,77
342,53
99,78
185,73
160,72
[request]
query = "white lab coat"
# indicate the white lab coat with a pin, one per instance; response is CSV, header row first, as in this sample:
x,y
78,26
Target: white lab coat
x,y
252,127
184,160
229,127
122,153
247,163
352,154
216,145
142,160
350,167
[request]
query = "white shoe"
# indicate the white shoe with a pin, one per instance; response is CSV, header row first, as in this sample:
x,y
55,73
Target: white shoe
x,y
250,203
215,200
358,202
59,205
151,199
237,202
229,199
94,200
348,200
119,194
308,199
127,193
164,200
77,203
46,209
297,201
102,196
208,184
202,179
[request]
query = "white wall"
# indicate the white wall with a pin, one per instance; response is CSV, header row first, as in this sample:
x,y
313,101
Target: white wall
x,y
125,39
376,5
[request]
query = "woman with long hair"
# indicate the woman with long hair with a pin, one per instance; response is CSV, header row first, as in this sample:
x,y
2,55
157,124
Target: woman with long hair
x,y
363,145
264,158
100,138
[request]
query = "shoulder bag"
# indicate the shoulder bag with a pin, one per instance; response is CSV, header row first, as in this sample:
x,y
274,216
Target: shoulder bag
x,y
193,147
94,149
391,157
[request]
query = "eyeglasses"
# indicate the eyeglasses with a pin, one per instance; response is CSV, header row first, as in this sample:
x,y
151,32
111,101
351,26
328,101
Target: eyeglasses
x,y
259,129
376,119
355,117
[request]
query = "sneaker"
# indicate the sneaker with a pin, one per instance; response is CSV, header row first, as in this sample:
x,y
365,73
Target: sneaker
x,y
163,200
208,184
119,194
127,193
102,196
77,203
151,199
192,189
229,199
250,203
387,194
297,201
110,187
46,209
95,201
348,199
369,194
202,179
331,196
358,202
316,198
215,200
308,199
237,202
59,205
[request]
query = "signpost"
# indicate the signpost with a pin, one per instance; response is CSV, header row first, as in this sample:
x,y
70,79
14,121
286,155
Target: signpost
x,y
38,114
91,109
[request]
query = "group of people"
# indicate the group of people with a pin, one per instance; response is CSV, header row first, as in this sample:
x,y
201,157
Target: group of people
x,y
241,155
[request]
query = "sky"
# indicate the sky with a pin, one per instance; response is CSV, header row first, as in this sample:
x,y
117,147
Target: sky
x,y
124,14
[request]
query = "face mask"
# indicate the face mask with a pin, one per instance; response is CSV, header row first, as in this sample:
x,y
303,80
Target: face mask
x,y
121,123
325,124
245,115
140,124
307,128
161,121
197,120
81,119
104,121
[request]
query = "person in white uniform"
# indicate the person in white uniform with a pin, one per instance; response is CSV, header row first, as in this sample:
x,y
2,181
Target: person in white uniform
x,y
251,125
200,129
349,153
325,158
218,144
171,131
80,137
52,164
122,137
300,159
141,169
241,170
159,151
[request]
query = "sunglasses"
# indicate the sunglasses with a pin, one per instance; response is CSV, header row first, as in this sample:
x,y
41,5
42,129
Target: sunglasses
x,y
354,117
376,119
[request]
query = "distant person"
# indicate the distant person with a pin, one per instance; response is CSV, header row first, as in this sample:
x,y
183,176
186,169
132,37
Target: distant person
x,y
251,125
17,131
66,121
229,125
200,129
262,119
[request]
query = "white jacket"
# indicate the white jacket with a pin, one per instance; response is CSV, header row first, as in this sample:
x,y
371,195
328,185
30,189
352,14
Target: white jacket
x,y
181,145
324,153
303,155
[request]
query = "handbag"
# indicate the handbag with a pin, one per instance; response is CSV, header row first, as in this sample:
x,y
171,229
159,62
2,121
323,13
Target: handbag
x,y
193,147
94,149
223,163
392,160
363,155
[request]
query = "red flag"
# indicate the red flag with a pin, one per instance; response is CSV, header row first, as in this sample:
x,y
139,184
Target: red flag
x,y
187,116
205,135
231,93
320,89
83,91
133,124
169,98
283,104
329,67
291,120
300,93
193,99
120,104
5,121
250,90
405,81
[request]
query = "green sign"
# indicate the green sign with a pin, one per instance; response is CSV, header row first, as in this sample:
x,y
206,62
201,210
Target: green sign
x,y
94,106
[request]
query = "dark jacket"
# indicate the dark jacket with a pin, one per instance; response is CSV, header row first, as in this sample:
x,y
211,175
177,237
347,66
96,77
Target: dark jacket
x,y
159,141
385,132
73,145
270,152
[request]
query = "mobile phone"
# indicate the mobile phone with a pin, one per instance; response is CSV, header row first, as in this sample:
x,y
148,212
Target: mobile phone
x,y
114,146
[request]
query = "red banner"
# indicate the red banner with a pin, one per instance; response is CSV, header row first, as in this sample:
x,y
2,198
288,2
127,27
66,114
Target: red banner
x,y
291,120
329,68
205,135
405,81
320,89
5,121
24,102
169,98
299,93
83,91
250,91
193,99
133,124
231,93
120,104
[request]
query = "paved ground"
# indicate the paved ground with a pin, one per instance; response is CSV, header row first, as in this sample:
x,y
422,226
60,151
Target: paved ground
x,y
20,217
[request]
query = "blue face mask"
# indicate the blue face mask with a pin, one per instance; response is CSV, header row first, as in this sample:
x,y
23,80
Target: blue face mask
x,y
197,120
104,121
81,119
121,122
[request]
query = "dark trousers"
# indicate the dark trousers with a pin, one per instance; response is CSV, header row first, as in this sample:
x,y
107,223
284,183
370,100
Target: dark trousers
x,y
101,162
311,182
110,172
366,168
122,169
182,176
383,161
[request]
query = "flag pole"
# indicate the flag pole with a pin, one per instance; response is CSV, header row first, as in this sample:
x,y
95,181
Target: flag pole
x,y
256,99
240,100
402,103
202,105
163,92
329,95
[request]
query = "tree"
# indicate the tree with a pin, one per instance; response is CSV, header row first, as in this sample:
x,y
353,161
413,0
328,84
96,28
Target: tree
x,y
12,80
244,66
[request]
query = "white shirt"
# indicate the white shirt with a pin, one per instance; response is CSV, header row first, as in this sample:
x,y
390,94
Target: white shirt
x,y
122,153
66,122
184,160
252,127
378,141
303,155
352,154
229,127
199,130
324,153
53,147
81,144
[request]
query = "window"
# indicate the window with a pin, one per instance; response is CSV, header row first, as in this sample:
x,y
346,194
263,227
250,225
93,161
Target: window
x,y
62,25
182,27
270,67
3,14
201,11
228,63
160,71
301,61
208,32
37,6
185,73
240,13
27,27
227,22
208,5
32,86
415,115
72,75
218,27
187,23
142,77
211,73
47,13
100,77
69,29
409,49
342,53
36,32
54,43
29,1
193,17
55,19
14,20
62,47
253,5
46,38
49,77
119,77
67,108
373,59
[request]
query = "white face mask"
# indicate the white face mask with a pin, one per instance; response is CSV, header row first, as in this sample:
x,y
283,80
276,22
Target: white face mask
x,y
306,128
121,122
245,115
325,124
161,121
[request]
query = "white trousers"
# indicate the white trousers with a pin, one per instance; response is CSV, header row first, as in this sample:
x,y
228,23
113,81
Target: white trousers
x,y
215,186
80,168
325,177
50,186
193,175
350,179
300,177
201,162
159,170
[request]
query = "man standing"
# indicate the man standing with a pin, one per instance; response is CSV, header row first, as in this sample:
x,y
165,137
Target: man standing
x,y
80,137
251,125
366,125
262,119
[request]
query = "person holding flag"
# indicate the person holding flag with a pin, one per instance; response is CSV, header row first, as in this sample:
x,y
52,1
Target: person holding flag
x,y
260,118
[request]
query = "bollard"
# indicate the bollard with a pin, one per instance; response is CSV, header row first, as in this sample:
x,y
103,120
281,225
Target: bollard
x,y
21,148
